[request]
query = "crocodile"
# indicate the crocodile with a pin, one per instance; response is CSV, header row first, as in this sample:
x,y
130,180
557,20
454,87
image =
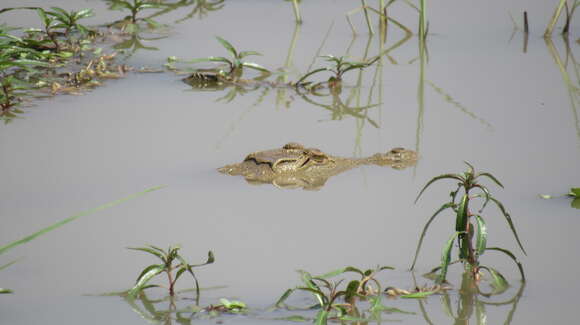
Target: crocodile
x,y
295,166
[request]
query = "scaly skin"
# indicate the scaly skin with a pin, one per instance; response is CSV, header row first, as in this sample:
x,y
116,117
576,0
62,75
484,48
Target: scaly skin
x,y
294,166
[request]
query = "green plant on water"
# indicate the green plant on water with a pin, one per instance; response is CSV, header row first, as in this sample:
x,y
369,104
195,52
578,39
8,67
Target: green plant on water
x,y
130,22
173,265
233,66
69,20
574,194
26,239
340,66
337,302
470,227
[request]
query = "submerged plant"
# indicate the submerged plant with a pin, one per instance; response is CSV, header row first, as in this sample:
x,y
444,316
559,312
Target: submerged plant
x,y
470,228
234,65
173,265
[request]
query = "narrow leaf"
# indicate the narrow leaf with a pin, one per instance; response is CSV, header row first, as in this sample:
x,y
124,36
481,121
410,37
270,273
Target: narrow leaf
x,y
69,219
444,176
418,295
446,258
424,232
283,298
148,250
5,291
490,176
152,271
481,240
512,256
510,222
321,317
243,54
228,46
254,66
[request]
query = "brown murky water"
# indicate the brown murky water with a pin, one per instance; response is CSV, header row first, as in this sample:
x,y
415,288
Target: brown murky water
x,y
479,98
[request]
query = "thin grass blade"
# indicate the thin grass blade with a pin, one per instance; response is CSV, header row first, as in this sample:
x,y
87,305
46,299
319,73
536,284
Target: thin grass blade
x,y
418,295
254,66
69,219
148,250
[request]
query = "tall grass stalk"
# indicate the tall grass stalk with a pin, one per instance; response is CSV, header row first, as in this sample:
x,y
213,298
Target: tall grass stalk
x,y
367,18
554,19
423,20
297,11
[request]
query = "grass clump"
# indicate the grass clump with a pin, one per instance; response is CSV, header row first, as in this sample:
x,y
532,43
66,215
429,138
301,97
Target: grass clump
x,y
470,230
173,265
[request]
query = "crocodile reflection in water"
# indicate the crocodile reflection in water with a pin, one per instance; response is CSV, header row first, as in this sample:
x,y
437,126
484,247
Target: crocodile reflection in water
x,y
294,166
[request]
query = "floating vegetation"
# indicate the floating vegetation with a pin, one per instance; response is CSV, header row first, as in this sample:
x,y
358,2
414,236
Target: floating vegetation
x,y
62,57
24,240
471,239
574,194
340,66
168,258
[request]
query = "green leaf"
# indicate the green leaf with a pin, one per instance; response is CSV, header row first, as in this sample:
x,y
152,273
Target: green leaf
x,y
228,46
147,274
321,317
255,66
243,54
486,194
150,251
510,222
512,256
545,196
490,176
575,203
575,191
7,265
304,77
351,290
446,258
294,318
283,298
85,13
498,281
69,219
461,221
424,232
444,176
418,295
5,291
481,240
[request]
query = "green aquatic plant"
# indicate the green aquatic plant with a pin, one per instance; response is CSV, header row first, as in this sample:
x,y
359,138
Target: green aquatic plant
x,y
173,265
26,239
470,227
340,66
234,65
69,20
338,302
135,7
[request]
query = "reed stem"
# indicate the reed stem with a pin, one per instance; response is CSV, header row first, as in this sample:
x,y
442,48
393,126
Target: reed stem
x,y
367,18
554,19
297,11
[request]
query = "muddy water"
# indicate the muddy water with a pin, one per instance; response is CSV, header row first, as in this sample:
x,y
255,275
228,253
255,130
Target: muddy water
x,y
478,98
